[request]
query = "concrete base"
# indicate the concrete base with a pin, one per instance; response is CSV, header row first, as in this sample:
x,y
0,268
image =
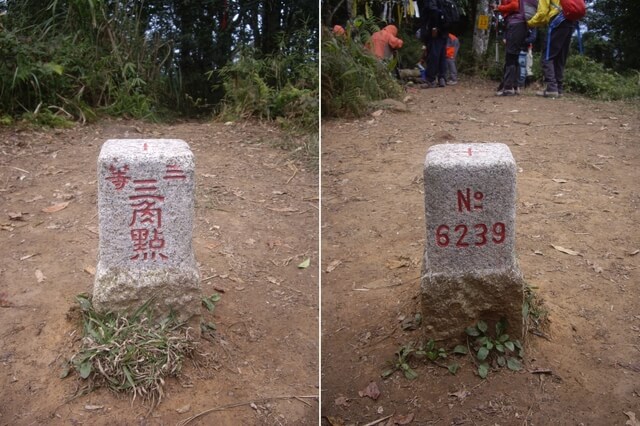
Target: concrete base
x,y
451,303
173,292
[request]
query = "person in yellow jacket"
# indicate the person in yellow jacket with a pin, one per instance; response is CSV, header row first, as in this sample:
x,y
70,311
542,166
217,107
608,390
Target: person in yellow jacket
x,y
556,49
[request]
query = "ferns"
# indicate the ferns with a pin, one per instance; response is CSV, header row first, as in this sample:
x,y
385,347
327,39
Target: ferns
x,y
281,87
351,77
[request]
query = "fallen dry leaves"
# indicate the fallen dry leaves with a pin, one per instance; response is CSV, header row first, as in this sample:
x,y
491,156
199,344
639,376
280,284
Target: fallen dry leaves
x,y
55,207
566,250
371,391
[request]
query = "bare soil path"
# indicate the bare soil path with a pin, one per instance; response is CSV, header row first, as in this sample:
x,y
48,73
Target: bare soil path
x,y
578,187
256,220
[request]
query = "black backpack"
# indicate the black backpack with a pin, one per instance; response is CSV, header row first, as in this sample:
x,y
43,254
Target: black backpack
x,y
450,13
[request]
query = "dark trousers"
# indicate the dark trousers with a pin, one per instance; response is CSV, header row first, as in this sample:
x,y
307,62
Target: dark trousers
x,y
554,57
436,58
516,33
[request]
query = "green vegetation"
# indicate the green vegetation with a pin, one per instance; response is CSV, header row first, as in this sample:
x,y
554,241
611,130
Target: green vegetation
x,y
427,352
493,351
590,78
130,354
282,87
489,351
68,61
351,77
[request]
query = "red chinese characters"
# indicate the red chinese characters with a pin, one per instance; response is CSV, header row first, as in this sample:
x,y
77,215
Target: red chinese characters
x,y
146,220
174,172
118,176
146,202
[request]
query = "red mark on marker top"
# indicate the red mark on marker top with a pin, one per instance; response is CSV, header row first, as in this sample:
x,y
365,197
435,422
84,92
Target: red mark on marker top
x,y
469,151
147,146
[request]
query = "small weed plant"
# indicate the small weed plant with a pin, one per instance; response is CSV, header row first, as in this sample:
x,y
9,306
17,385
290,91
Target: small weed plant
x,y
498,351
427,352
488,352
130,354
533,310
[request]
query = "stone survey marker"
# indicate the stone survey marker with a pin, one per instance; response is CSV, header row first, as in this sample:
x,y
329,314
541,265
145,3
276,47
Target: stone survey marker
x,y
470,271
145,209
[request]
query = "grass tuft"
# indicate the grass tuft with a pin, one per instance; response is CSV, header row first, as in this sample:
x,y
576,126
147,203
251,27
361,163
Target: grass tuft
x,y
130,354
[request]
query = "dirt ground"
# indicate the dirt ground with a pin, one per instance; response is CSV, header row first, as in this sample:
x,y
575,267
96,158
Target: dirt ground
x,y
578,187
256,221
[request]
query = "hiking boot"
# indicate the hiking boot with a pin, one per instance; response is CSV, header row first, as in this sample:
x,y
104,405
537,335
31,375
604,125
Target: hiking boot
x,y
442,82
547,94
452,82
506,92
427,85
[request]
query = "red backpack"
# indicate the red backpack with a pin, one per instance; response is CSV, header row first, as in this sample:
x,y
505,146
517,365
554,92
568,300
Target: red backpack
x,y
573,10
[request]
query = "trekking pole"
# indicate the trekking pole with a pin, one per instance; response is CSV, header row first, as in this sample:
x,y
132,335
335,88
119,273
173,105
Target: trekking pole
x,y
496,20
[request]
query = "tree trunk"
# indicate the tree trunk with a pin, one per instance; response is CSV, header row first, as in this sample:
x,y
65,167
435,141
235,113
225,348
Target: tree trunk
x,y
350,15
481,37
271,26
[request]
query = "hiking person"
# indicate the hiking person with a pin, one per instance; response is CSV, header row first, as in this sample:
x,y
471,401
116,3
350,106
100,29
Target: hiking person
x,y
556,50
526,57
338,31
385,42
453,45
434,35
513,13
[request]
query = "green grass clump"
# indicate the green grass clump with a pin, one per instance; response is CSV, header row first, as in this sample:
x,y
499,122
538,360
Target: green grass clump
x,y
130,354
591,78
352,78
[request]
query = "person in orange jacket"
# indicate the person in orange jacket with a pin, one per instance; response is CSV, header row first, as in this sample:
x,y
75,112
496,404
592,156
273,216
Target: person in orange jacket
x,y
383,43
453,45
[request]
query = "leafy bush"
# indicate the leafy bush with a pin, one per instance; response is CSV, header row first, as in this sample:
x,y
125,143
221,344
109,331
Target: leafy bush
x,y
352,77
281,87
584,75
246,92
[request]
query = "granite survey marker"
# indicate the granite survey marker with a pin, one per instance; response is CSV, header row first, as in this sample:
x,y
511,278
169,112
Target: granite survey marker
x,y
470,271
145,209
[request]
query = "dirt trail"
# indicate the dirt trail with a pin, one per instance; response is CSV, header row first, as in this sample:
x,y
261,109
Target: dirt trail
x,y
256,220
578,187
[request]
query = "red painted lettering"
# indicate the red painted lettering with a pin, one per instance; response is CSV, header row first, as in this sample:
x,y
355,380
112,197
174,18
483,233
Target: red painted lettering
x,y
498,230
146,220
139,238
174,172
118,176
442,237
464,201
144,213
478,196
482,228
461,242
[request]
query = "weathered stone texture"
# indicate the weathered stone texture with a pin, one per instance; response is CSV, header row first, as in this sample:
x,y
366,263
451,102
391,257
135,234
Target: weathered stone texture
x,y
145,209
470,270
